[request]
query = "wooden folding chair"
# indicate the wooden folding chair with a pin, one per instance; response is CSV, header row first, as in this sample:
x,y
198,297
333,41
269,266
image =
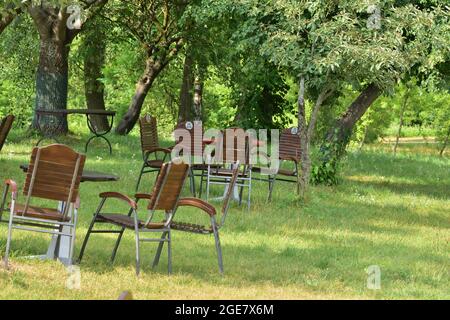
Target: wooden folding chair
x,y
164,197
289,151
54,173
5,127
150,147
211,212
229,152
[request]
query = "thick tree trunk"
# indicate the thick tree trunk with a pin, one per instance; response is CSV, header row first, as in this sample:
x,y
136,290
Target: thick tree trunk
x,y
186,97
143,86
94,59
51,85
338,137
400,125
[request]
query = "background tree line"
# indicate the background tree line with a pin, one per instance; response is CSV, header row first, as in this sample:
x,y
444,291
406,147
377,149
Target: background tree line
x,y
342,71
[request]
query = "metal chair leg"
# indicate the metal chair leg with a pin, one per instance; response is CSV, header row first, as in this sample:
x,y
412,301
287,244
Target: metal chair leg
x,y
169,252
201,184
8,241
159,250
86,238
192,181
271,185
140,177
218,247
138,256
116,246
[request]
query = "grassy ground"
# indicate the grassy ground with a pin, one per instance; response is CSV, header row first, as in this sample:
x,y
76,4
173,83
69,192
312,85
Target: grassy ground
x,y
390,212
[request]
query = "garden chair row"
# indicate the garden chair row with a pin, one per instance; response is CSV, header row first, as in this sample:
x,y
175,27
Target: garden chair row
x,y
289,152
189,137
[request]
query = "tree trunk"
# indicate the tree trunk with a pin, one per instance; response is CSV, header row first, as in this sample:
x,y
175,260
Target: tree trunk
x,y
400,125
304,142
51,84
198,98
143,86
186,97
338,137
8,14
94,59
441,153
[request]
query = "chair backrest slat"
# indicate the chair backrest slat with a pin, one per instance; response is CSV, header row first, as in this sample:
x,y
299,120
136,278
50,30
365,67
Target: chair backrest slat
x,y
169,184
54,173
5,127
149,133
289,144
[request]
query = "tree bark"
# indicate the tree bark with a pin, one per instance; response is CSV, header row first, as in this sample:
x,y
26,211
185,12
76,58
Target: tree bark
x,y
7,16
186,97
305,163
51,84
306,132
143,86
198,98
94,59
441,153
52,74
338,137
400,125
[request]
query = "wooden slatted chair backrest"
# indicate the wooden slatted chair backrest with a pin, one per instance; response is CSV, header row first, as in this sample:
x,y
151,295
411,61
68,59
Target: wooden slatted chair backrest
x,y
195,144
169,184
54,173
149,133
230,190
5,127
234,146
289,144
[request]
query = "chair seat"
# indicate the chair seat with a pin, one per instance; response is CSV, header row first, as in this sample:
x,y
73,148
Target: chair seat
x,y
157,164
193,228
283,172
204,166
288,173
40,213
226,173
127,222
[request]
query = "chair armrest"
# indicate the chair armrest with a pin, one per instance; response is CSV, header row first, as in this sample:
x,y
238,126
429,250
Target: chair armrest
x,y
13,185
119,196
140,196
153,150
198,203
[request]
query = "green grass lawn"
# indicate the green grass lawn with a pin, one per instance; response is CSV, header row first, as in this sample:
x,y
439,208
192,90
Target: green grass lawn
x,y
390,212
